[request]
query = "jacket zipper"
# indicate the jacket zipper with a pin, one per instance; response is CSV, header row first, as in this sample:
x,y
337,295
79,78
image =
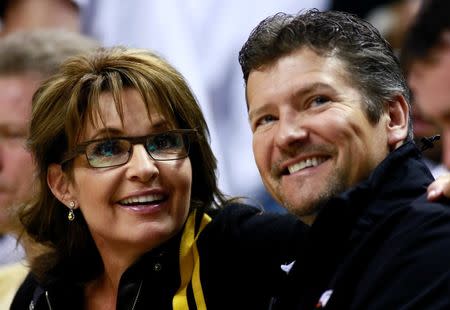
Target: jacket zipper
x,y
137,296
132,308
48,300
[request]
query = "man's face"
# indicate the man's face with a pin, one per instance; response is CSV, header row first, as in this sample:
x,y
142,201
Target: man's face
x,y
311,136
16,167
429,82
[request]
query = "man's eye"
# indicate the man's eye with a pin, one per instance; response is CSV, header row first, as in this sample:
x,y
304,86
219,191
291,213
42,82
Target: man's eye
x,y
319,100
13,134
265,120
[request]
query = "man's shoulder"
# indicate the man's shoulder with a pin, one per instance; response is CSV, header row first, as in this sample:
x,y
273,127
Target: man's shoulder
x,y
428,215
400,258
410,262
420,222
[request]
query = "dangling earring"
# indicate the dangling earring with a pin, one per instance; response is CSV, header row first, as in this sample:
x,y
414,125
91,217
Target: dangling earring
x,y
71,215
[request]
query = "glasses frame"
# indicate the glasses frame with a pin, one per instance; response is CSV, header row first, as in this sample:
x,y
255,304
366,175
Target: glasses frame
x,y
187,135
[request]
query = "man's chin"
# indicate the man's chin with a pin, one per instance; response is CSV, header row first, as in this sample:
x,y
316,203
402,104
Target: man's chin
x,y
307,211
307,199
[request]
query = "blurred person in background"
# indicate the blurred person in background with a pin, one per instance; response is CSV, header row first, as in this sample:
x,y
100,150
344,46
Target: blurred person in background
x,y
26,59
390,17
18,15
426,58
393,20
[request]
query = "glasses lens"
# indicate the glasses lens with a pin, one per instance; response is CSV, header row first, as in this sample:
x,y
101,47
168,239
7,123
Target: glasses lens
x,y
108,153
167,146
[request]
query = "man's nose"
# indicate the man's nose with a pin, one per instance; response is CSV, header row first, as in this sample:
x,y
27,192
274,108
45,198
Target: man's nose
x,y
291,130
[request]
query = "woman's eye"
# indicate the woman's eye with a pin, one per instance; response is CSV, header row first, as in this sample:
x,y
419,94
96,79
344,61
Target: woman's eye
x,y
108,148
164,142
319,100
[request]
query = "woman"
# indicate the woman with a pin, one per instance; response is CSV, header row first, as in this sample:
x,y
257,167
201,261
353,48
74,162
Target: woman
x,y
128,189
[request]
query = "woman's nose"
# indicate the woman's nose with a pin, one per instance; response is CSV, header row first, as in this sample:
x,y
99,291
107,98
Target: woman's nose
x,y
141,166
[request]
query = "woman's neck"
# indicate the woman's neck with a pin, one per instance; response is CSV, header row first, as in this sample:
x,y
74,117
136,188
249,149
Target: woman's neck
x,y
101,293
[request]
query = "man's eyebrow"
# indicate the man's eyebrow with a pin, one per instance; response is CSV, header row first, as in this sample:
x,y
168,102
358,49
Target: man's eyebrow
x,y
311,88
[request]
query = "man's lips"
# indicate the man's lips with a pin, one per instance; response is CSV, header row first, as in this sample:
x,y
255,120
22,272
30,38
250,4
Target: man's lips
x,y
313,161
301,158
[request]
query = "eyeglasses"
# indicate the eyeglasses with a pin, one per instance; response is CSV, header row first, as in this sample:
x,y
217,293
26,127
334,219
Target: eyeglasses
x,y
112,152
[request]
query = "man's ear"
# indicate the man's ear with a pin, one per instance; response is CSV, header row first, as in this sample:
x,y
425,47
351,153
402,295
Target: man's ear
x,y
59,184
397,127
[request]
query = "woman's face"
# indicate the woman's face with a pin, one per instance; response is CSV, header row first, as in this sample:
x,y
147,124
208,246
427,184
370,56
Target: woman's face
x,y
141,204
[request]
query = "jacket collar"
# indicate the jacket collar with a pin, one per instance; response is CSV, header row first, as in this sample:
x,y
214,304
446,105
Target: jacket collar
x,y
402,174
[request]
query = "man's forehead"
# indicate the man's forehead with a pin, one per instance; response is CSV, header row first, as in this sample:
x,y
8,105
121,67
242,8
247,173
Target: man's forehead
x,y
303,69
16,94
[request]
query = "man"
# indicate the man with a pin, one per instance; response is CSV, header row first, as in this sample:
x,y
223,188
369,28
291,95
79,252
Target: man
x,y
26,59
332,139
18,15
426,128
426,57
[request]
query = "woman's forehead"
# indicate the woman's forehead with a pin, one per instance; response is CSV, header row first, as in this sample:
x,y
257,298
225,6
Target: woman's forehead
x,y
126,113
129,102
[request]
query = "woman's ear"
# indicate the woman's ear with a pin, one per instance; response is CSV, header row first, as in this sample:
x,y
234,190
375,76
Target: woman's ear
x,y
59,184
398,110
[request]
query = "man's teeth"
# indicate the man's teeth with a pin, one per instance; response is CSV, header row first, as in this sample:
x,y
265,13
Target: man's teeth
x,y
310,162
141,199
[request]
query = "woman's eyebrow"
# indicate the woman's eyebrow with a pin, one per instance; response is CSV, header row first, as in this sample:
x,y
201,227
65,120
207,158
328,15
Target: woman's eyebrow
x,y
105,132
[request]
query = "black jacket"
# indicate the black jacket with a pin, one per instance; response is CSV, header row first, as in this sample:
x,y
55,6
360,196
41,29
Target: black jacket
x,y
380,245
240,255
